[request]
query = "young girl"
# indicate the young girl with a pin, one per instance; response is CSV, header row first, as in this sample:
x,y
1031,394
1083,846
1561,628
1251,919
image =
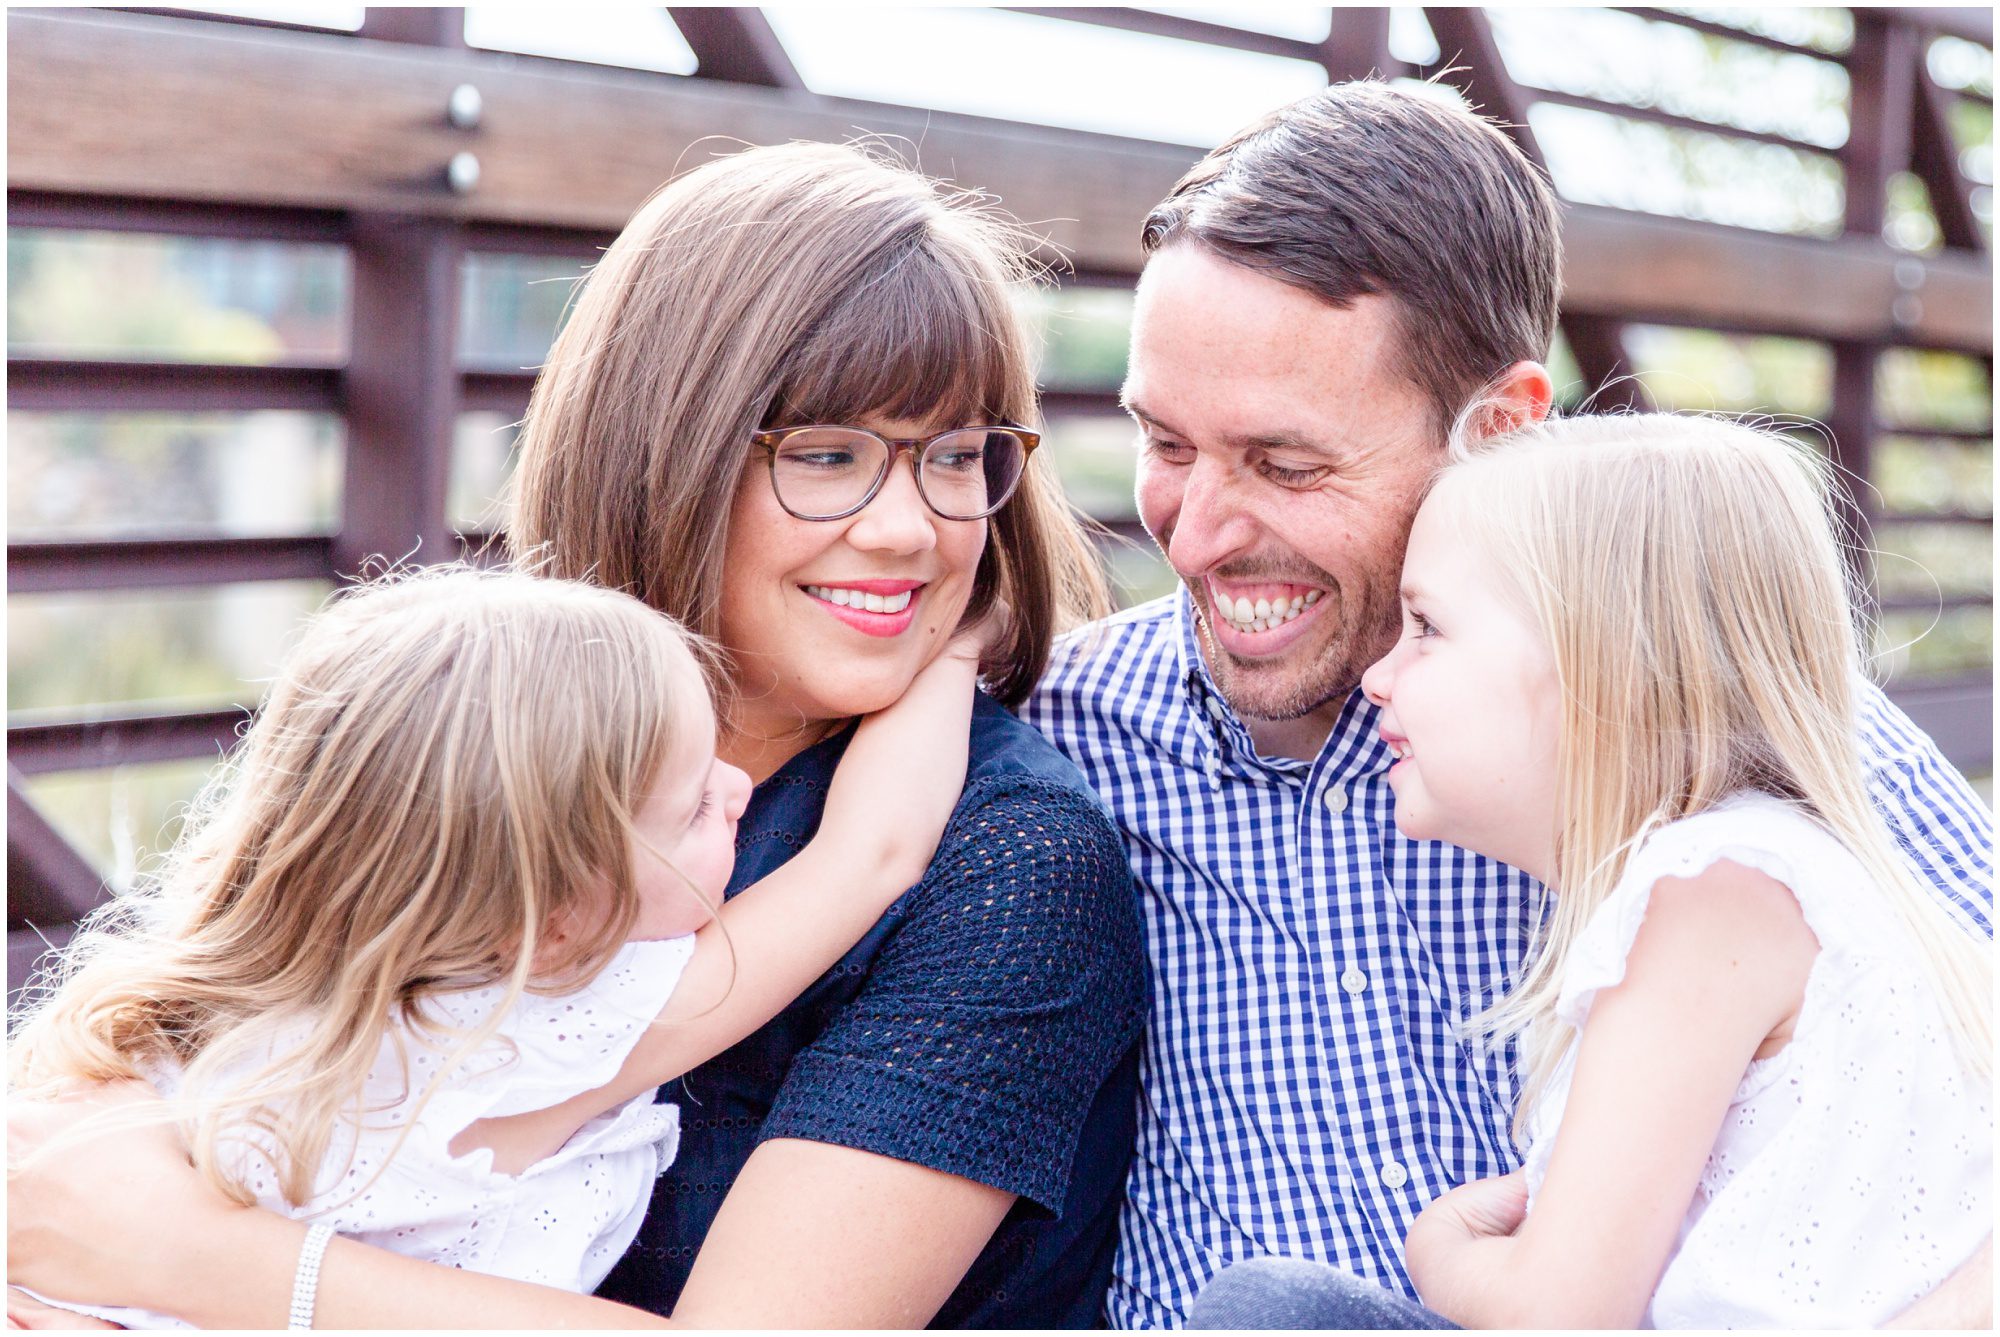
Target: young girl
x,y
1757,1062
450,915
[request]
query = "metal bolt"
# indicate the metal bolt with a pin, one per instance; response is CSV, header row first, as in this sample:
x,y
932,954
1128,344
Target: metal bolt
x,y
1906,311
1909,274
464,107
462,173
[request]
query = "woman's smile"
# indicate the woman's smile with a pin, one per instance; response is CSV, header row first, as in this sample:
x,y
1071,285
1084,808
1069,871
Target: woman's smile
x,y
871,607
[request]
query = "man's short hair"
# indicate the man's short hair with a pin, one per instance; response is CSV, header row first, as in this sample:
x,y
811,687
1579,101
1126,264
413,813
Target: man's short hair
x,y
1364,188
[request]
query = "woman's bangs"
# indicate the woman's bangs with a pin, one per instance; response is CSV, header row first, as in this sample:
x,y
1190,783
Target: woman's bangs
x,y
917,344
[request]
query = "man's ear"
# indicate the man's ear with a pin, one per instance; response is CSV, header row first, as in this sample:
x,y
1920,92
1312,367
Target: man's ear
x,y
1521,395
1518,397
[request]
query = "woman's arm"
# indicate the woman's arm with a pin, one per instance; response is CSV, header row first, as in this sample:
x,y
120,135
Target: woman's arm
x,y
124,1219
1718,966
814,1235
811,1236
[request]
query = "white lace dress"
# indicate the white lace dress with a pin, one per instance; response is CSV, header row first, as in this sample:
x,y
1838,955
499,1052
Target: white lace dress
x,y
566,1220
1854,1169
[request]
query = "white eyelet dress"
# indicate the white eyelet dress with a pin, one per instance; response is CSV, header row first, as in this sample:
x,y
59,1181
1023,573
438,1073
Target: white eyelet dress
x,y
566,1220
1854,1168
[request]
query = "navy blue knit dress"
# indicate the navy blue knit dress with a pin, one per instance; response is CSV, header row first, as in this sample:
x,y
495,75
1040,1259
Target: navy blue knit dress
x,y
986,1027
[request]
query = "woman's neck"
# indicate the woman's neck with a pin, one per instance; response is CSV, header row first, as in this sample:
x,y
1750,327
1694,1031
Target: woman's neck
x,y
761,747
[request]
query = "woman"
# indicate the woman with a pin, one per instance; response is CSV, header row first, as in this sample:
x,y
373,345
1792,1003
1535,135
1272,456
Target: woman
x,y
938,1130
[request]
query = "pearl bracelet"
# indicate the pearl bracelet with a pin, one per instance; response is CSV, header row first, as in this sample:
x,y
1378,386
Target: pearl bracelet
x,y
305,1283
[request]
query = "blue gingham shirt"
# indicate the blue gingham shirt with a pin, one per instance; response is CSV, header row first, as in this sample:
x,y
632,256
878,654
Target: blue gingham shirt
x,y
1304,1092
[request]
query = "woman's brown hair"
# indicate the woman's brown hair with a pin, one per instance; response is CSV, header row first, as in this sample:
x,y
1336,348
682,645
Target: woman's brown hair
x,y
802,283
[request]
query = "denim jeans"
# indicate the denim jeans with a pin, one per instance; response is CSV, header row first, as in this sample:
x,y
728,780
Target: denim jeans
x,y
1292,1293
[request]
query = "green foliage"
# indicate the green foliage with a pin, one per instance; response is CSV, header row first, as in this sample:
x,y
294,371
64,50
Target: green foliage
x,y
185,648
93,294
1084,333
1702,370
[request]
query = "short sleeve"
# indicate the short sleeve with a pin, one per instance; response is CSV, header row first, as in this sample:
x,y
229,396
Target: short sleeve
x,y
553,1047
1015,983
1763,835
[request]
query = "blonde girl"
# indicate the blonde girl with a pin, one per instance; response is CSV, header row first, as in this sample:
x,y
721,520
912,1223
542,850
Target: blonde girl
x,y
449,917
1757,1051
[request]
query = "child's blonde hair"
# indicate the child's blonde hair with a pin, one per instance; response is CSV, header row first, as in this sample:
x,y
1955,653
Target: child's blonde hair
x,y
437,794
1688,576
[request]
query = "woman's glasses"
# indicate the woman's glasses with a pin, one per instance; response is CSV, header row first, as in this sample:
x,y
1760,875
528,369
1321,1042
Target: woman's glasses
x,y
826,472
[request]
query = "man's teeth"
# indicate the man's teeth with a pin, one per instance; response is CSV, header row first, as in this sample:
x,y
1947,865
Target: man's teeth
x,y
1401,751
1263,614
867,603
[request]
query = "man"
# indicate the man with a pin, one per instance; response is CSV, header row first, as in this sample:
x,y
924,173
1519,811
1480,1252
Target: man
x,y
1324,295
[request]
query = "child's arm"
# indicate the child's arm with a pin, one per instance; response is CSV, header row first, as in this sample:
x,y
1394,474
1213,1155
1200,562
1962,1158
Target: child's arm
x,y
886,810
893,792
1717,972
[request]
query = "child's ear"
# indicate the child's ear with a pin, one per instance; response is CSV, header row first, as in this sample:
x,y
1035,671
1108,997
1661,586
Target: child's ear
x,y
552,943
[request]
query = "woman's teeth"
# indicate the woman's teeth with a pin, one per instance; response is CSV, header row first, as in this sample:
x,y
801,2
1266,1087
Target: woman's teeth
x,y
867,603
1262,615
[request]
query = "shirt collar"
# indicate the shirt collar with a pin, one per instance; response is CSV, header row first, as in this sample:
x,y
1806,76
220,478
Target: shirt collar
x,y
1353,749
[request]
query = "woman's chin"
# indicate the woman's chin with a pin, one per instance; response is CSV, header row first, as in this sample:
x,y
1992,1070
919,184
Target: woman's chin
x,y
839,697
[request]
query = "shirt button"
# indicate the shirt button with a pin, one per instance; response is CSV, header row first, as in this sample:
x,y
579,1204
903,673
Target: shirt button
x,y
1353,980
1394,1175
1336,800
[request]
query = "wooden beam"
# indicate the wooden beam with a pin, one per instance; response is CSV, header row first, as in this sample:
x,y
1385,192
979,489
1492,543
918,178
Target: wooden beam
x,y
171,217
415,25
1970,23
115,104
496,391
124,740
1686,273
50,385
735,43
48,882
1598,345
1934,158
401,392
153,563
1883,72
1473,64
1850,424
108,104
1357,44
